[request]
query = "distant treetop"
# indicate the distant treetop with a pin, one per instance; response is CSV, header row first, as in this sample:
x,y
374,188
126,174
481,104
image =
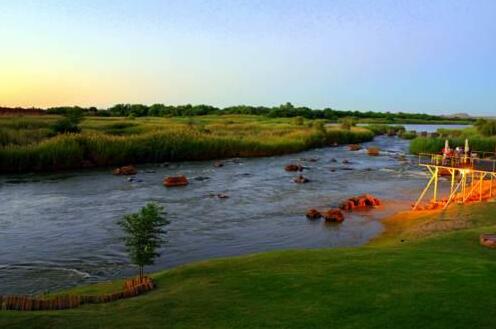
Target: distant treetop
x,y
286,110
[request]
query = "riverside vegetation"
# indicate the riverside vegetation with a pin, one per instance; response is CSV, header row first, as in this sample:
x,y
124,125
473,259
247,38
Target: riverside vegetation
x,y
427,270
34,143
482,137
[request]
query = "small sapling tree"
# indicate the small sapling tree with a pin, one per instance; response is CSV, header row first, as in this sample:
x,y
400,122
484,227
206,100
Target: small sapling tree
x,y
144,234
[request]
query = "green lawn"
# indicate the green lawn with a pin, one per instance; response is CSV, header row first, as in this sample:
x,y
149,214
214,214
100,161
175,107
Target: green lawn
x,y
425,272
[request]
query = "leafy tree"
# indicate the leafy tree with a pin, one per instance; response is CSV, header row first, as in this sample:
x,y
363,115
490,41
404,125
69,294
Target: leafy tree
x,y
144,234
70,122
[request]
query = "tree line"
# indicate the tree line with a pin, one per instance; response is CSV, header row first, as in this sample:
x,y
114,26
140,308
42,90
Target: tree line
x,y
286,110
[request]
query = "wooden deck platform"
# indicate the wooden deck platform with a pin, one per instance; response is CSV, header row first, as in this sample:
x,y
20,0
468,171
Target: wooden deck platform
x,y
468,174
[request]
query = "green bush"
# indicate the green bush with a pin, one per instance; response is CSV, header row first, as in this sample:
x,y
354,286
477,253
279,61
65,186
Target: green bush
x,y
347,123
69,123
408,134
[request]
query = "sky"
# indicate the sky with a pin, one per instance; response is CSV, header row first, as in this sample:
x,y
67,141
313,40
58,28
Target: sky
x,y
432,56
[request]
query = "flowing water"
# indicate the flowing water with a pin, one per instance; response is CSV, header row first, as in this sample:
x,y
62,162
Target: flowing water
x,y
60,230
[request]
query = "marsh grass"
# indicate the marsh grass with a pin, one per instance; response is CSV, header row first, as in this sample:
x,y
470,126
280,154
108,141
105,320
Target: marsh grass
x,y
116,141
435,145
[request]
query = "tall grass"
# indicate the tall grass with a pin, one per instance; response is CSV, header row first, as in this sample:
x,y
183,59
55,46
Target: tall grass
x,y
72,151
435,145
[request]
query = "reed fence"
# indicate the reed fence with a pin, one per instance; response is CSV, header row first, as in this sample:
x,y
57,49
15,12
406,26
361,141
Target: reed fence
x,y
133,287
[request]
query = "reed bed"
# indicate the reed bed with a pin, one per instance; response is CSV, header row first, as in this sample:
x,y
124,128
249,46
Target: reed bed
x,y
170,140
435,145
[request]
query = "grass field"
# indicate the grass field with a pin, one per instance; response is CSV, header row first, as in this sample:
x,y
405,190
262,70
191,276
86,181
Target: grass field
x,y
29,143
426,271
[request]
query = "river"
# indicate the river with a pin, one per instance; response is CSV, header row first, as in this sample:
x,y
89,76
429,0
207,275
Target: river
x,y
60,230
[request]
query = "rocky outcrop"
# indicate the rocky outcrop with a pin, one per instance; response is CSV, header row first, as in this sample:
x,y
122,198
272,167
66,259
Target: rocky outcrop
x,y
373,151
173,181
313,214
360,202
333,215
488,240
125,170
293,167
354,147
300,179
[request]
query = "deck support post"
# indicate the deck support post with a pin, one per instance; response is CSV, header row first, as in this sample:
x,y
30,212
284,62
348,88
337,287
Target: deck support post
x,y
452,171
426,188
436,178
480,186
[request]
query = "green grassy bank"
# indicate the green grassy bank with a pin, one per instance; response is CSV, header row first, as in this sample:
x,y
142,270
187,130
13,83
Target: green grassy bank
x,y
426,271
478,138
28,143
436,144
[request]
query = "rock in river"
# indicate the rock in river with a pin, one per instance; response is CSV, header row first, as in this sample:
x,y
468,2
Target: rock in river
x,y
333,216
172,181
360,202
125,170
300,179
293,167
354,147
313,214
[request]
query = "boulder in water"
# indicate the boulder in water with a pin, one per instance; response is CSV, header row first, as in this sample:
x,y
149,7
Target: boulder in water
x,y
300,179
360,202
133,179
333,216
293,167
313,214
125,170
373,151
172,181
218,164
354,147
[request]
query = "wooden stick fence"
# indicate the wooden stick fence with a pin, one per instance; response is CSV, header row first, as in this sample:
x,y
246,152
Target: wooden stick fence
x,y
133,287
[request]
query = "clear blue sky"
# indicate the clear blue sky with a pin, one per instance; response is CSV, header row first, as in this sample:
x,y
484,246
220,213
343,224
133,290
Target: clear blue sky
x,y
418,56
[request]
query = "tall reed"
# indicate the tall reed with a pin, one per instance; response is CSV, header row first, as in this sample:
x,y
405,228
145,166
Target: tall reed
x,y
73,151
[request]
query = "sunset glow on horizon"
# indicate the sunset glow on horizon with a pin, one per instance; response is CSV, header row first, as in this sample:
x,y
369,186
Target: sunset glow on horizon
x,y
412,56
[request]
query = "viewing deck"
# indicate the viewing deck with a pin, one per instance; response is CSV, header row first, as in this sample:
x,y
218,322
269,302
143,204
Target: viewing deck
x,y
472,176
477,161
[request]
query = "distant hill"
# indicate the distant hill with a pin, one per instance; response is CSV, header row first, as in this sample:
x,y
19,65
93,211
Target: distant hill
x,y
458,115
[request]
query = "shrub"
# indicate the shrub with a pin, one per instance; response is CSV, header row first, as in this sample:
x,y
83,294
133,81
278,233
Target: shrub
x,y
408,135
347,123
69,123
